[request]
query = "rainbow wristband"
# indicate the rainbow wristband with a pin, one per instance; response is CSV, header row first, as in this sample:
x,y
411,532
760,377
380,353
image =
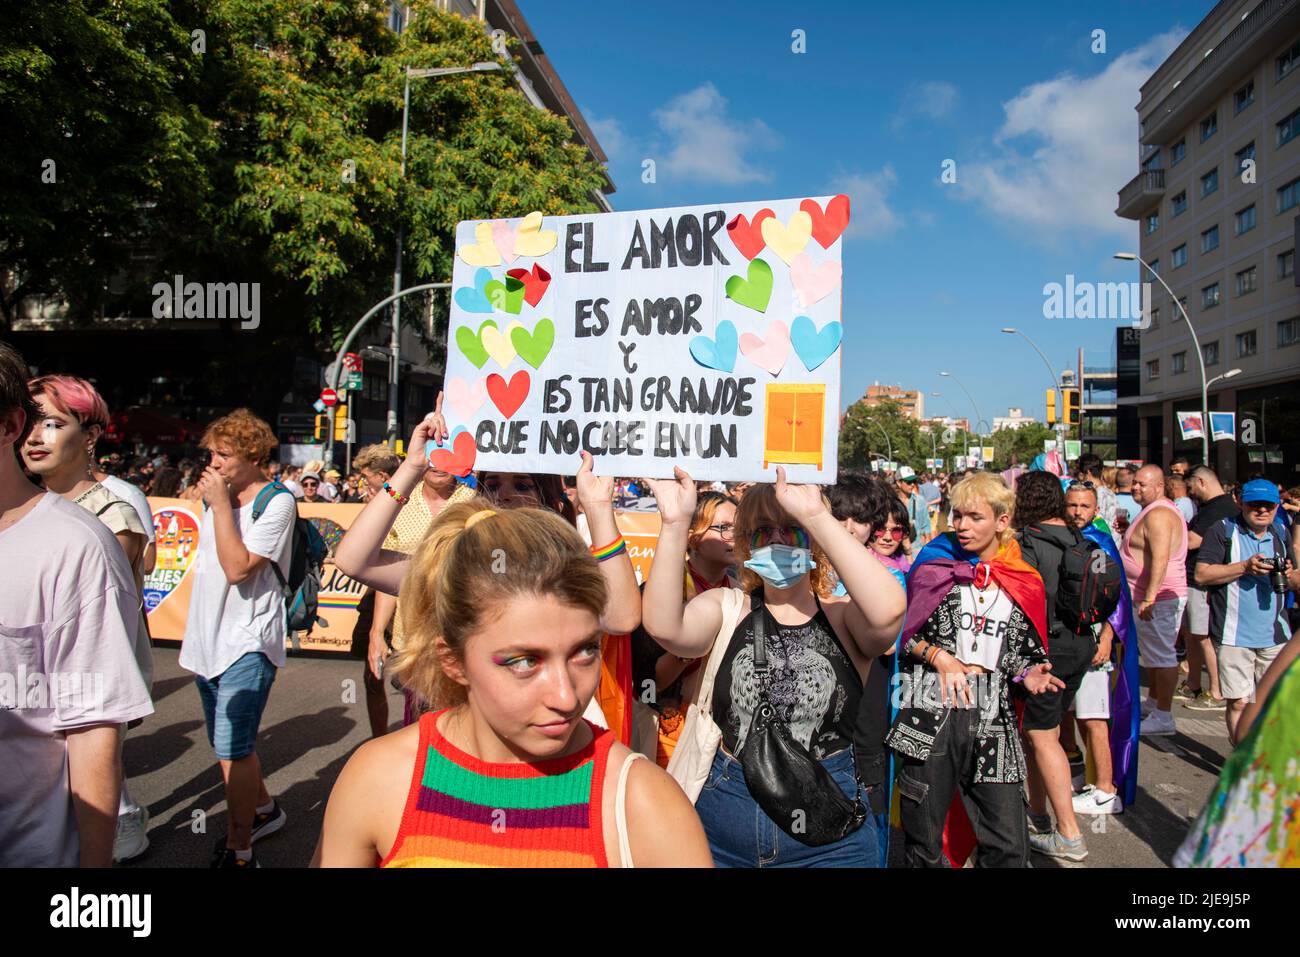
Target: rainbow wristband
x,y
398,497
617,547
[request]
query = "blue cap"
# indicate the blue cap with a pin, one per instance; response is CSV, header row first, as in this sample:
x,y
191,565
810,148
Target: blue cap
x,y
1260,490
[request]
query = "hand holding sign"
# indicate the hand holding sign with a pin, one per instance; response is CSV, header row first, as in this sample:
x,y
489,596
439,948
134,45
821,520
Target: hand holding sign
x,y
594,491
801,502
676,499
432,428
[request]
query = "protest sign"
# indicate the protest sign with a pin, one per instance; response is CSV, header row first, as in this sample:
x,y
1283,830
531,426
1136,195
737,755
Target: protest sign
x,y
706,337
1190,425
1223,425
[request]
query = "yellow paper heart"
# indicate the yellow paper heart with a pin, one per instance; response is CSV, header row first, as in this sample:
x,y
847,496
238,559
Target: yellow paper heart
x,y
789,240
532,240
498,346
484,251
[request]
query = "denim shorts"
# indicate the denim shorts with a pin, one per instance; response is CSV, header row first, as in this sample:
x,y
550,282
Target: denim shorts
x,y
741,835
233,703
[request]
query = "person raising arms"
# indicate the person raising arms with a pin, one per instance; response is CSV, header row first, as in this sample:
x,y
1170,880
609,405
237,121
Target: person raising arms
x,y
502,616
820,651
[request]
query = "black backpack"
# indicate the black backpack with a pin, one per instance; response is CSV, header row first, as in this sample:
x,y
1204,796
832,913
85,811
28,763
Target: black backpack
x,y
1089,584
306,564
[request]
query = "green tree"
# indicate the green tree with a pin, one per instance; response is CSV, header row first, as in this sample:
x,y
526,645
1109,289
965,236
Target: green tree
x,y
864,429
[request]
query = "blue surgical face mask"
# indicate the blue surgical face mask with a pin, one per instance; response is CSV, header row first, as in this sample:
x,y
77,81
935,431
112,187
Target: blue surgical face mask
x,y
780,565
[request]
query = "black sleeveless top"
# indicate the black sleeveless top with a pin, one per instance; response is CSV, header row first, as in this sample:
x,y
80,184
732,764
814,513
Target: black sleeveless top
x,y
812,682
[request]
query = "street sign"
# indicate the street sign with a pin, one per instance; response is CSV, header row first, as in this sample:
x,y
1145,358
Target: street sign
x,y
318,405
352,382
329,397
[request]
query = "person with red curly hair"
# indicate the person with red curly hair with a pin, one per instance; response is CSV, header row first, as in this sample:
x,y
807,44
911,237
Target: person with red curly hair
x,y
235,629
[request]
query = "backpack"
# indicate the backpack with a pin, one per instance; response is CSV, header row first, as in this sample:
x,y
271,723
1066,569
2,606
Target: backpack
x,y
1089,585
306,565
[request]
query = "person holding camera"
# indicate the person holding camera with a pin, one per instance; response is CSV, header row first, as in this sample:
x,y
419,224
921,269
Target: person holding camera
x,y
1247,568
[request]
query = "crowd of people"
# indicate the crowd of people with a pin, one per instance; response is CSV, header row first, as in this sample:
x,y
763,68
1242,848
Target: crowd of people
x,y
802,667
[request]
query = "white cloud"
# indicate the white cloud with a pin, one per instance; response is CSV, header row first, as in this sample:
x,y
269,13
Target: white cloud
x,y
705,144
610,134
933,100
1066,147
870,216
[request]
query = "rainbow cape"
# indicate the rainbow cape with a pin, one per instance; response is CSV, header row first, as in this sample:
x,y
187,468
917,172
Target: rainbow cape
x,y
940,565
1124,717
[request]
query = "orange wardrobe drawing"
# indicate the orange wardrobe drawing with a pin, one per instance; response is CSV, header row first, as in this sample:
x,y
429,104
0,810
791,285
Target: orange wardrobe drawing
x,y
794,415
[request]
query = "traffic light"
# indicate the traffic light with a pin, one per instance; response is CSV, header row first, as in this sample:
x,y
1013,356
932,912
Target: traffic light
x,y
1051,407
340,423
1070,401
322,423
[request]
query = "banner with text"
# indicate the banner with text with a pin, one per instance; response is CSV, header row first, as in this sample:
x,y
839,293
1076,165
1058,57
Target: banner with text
x,y
707,337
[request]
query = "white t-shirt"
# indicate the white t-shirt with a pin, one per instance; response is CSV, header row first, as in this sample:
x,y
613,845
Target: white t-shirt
x,y
982,627
227,621
69,611
129,493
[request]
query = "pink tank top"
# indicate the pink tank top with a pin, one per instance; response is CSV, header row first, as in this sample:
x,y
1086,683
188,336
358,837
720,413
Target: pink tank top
x,y
1173,584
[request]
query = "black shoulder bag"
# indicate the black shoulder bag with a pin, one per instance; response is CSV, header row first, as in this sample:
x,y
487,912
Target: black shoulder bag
x,y
792,788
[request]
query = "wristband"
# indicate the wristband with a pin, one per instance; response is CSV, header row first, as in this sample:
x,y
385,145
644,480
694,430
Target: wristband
x,y
617,547
1021,677
932,654
398,497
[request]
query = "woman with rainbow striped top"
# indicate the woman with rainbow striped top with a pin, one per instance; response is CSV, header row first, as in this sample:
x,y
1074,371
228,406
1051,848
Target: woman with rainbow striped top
x,y
502,615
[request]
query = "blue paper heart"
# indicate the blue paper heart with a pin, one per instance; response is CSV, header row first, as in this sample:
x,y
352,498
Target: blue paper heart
x,y
720,351
451,440
813,347
475,299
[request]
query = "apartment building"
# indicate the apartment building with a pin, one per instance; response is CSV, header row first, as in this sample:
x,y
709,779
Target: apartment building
x,y
911,400
1217,201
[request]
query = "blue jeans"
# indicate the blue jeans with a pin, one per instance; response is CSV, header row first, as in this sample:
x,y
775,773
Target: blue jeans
x,y
741,835
233,703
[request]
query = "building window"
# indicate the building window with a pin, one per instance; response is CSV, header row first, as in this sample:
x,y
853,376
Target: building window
x,y
1209,126
1179,203
1179,256
1244,221
1288,196
1288,60
1286,264
1210,353
1153,369
1246,281
1288,332
1210,182
1153,223
1247,152
1287,128
1155,317
1245,344
1152,161
1210,296
1210,239
1177,152
1155,266
1243,97
1178,363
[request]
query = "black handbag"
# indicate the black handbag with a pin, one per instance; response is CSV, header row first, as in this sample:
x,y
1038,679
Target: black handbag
x,y
792,788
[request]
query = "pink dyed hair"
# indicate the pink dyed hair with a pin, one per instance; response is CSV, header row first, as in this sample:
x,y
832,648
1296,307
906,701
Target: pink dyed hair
x,y
72,396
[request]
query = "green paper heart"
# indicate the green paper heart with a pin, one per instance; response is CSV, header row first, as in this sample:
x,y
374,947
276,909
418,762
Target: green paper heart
x,y
534,347
756,290
471,343
507,296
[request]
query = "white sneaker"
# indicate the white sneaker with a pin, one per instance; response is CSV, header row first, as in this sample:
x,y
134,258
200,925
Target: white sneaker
x,y
1158,723
132,837
1093,800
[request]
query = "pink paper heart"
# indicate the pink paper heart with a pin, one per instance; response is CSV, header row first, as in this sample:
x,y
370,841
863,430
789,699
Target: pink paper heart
x,y
504,237
813,284
466,398
770,354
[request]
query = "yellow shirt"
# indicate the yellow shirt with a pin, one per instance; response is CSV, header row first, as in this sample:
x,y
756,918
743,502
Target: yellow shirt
x,y
409,529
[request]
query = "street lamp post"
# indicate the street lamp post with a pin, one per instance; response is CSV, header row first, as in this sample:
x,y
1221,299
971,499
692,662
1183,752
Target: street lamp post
x,y
1056,390
1200,358
978,418
888,445
395,341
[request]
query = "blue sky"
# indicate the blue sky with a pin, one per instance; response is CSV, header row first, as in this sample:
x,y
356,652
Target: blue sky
x,y
1042,129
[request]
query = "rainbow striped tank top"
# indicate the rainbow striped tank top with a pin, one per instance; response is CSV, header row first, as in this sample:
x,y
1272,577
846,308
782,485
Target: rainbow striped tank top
x,y
463,812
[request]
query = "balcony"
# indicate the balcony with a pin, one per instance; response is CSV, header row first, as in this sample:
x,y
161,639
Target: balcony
x,y
1141,194
1236,55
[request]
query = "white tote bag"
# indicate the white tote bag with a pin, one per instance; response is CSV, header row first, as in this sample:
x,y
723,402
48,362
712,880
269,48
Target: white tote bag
x,y
698,743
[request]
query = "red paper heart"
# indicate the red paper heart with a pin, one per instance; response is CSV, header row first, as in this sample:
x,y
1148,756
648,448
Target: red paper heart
x,y
535,282
508,398
748,236
457,460
827,226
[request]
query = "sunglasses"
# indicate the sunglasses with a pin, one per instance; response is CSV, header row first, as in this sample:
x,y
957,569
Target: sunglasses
x,y
1077,484
310,484
1261,506
895,533
789,535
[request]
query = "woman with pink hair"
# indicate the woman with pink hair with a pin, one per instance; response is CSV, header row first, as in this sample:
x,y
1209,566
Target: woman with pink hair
x,y
60,450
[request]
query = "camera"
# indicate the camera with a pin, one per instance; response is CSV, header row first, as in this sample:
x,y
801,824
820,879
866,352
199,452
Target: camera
x,y
1277,577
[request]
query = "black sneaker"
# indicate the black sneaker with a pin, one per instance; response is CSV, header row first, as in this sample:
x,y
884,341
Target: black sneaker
x,y
270,822
227,858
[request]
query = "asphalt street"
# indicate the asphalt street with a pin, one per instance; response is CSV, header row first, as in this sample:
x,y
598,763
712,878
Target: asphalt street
x,y
316,718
